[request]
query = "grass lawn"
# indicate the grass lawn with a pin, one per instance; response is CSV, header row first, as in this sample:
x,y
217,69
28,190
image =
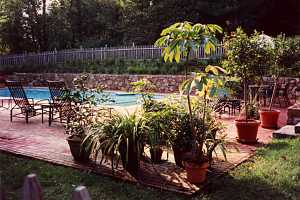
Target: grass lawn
x,y
274,173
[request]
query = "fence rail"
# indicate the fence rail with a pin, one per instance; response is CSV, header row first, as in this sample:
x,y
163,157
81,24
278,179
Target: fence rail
x,y
96,54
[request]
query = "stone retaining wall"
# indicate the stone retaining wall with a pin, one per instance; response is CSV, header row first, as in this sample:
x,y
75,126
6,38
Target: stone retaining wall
x,y
163,83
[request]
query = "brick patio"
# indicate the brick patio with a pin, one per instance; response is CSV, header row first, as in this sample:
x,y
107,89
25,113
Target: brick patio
x,y
39,141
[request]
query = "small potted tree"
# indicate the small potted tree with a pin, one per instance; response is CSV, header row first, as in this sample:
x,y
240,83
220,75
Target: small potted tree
x,y
179,40
246,57
285,54
205,131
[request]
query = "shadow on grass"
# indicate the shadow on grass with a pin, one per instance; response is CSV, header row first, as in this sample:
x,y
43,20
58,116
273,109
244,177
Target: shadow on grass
x,y
283,144
246,188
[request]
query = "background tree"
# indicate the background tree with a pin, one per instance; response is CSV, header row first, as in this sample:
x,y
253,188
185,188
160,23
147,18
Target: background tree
x,y
39,25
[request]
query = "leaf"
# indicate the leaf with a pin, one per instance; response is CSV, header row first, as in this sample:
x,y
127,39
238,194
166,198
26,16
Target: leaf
x,y
198,85
185,87
213,91
177,54
209,47
213,69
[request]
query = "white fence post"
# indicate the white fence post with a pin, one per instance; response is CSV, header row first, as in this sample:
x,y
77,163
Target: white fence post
x,y
31,188
81,193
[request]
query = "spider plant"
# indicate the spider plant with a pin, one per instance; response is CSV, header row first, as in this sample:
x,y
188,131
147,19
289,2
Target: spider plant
x,y
120,136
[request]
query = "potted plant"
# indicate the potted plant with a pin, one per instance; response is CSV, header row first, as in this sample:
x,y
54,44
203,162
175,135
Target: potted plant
x,y
246,56
76,131
119,137
205,130
179,40
285,54
84,116
158,123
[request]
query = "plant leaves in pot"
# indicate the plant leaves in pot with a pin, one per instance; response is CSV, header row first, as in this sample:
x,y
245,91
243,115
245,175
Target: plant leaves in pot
x,y
120,136
75,129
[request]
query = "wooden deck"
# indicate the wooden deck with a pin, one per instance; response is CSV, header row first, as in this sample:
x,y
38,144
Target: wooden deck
x,y
38,141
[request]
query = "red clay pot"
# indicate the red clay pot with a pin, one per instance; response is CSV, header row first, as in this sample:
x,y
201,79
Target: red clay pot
x,y
196,173
269,118
247,130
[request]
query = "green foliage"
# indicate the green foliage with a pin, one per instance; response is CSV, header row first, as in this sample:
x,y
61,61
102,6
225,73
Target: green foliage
x,y
85,100
180,39
286,56
248,57
206,85
105,138
159,123
108,67
27,26
145,88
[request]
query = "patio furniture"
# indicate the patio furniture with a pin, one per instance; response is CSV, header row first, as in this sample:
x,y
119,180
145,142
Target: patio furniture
x,y
27,109
232,105
60,103
293,114
282,95
5,103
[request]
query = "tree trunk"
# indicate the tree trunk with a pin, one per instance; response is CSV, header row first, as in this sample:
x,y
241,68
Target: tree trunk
x,y
273,95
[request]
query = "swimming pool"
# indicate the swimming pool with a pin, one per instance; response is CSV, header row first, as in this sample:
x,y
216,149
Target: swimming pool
x,y
118,98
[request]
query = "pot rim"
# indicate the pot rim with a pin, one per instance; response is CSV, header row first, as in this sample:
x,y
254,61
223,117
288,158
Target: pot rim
x,y
74,138
248,121
269,111
193,165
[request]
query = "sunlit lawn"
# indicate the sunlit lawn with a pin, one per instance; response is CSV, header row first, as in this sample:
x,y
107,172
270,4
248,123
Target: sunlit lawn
x,y
274,173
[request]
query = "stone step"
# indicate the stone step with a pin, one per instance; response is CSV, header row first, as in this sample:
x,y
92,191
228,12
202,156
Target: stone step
x,y
286,132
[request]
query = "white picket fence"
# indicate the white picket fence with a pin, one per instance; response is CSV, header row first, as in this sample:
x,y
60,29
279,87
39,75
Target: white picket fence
x,y
97,54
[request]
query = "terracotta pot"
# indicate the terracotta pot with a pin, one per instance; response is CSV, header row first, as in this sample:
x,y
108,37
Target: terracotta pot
x,y
269,118
79,154
247,130
156,154
196,173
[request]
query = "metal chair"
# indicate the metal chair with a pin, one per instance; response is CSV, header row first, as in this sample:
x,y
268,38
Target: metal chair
x,y
60,102
27,109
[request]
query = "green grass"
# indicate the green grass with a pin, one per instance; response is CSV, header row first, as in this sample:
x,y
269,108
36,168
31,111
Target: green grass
x,y
274,173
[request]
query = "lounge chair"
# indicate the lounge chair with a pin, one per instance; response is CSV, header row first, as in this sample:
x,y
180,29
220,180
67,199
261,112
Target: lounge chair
x,y
27,108
60,103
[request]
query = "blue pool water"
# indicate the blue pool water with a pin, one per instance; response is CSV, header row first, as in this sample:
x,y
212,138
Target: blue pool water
x,y
118,98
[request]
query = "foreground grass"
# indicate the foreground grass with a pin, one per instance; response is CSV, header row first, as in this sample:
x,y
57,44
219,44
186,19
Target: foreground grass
x,y
274,173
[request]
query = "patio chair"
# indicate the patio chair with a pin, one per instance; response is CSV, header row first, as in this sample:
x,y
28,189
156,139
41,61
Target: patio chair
x,y
60,103
27,109
282,95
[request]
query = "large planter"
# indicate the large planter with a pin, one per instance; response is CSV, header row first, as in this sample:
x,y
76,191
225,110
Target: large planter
x,y
269,118
156,154
247,130
79,154
196,173
130,157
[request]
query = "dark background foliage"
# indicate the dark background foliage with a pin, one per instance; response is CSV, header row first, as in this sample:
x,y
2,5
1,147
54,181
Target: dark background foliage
x,y
39,25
